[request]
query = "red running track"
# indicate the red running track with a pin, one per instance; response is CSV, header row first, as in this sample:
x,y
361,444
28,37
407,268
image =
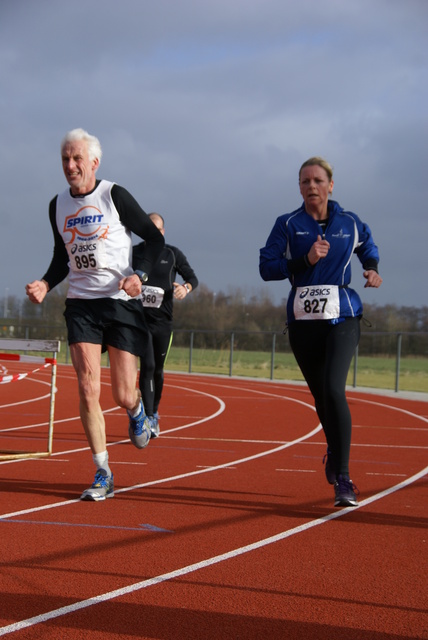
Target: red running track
x,y
224,527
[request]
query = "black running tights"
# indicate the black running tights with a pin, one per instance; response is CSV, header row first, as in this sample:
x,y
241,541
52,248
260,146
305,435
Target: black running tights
x,y
324,353
152,366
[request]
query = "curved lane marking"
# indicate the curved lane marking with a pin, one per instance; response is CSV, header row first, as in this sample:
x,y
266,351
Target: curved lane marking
x,y
203,564
215,559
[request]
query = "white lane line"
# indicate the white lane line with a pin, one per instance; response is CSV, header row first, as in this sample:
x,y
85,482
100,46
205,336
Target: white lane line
x,y
170,478
388,406
15,404
44,424
205,466
203,564
194,567
299,470
392,475
209,469
117,408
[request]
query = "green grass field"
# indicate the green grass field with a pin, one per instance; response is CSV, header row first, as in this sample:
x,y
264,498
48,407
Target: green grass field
x,y
377,372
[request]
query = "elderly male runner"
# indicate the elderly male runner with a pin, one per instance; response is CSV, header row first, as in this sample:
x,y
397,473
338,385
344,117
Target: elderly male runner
x,y
92,223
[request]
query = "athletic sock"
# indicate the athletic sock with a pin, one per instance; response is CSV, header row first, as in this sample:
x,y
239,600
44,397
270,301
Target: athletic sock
x,y
136,412
101,461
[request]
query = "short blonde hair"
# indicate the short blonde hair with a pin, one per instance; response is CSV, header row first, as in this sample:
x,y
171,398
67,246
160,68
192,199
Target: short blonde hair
x,y
317,160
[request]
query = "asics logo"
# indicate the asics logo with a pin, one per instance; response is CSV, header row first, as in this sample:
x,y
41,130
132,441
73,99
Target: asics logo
x,y
312,292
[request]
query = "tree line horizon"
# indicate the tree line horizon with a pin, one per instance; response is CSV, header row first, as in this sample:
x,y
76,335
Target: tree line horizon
x,y
234,310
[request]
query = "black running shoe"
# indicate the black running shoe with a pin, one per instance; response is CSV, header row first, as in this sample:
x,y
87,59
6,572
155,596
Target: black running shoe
x,y
345,492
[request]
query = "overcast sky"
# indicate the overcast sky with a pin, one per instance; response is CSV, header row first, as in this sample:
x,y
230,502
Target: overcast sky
x,y
206,109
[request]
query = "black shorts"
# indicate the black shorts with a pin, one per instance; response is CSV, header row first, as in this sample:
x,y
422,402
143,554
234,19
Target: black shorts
x,y
108,322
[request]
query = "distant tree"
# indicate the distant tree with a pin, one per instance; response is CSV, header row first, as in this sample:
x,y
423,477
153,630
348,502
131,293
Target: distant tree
x,y
25,319
206,310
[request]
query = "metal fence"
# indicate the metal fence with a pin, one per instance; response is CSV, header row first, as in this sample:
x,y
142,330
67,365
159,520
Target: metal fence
x,y
392,354
395,360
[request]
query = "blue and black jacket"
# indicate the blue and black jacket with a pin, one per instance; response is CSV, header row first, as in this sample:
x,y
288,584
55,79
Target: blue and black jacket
x,y
285,254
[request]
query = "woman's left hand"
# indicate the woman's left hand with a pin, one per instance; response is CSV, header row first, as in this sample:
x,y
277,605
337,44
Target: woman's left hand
x,y
373,279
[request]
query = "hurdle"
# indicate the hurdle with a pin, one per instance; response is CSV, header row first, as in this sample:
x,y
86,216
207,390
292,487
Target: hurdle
x,y
8,347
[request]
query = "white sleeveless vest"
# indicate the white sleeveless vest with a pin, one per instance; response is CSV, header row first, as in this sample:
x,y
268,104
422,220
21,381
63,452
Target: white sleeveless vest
x,y
99,247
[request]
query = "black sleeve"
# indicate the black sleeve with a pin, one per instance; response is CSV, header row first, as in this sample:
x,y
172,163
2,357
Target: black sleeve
x,y
58,268
136,220
371,264
138,255
184,269
297,265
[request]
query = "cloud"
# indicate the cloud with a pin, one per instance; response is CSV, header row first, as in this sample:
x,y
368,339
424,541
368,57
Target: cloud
x,y
205,112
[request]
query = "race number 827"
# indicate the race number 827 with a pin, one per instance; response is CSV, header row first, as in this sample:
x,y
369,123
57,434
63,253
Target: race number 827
x,y
316,305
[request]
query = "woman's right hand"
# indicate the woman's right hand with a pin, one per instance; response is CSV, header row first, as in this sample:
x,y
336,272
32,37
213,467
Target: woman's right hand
x,y
319,250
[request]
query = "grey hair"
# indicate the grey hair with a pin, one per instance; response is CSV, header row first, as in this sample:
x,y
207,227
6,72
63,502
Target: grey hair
x,y
94,146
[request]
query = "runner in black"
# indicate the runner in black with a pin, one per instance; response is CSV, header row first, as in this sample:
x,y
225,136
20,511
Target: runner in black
x,y
158,296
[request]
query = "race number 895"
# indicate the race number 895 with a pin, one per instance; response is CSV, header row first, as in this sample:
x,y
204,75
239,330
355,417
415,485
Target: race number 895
x,y
85,261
